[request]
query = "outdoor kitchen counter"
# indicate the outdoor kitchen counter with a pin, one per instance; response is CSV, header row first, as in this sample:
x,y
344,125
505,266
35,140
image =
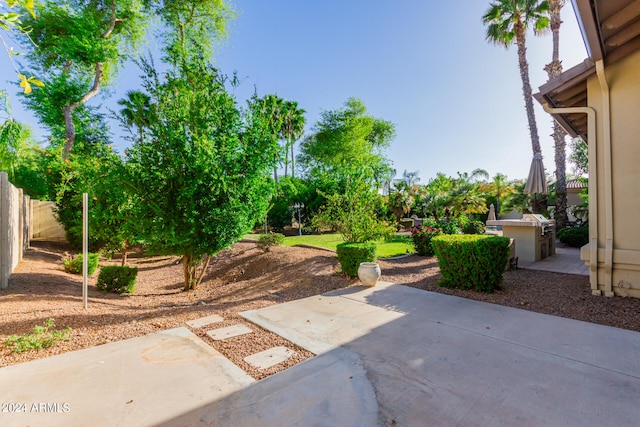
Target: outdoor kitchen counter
x,y
535,237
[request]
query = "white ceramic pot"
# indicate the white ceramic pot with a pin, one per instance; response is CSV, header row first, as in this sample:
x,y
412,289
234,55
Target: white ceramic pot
x,y
369,273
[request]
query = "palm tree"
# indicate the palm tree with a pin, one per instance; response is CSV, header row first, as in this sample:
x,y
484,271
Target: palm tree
x,y
137,110
499,186
292,130
507,22
554,69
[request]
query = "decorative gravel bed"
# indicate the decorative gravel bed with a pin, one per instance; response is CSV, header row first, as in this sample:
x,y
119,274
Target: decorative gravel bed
x,y
245,278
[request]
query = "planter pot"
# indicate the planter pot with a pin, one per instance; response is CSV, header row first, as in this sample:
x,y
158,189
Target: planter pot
x,y
369,273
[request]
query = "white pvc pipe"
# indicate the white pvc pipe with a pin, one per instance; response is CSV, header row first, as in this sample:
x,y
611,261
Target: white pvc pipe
x,y
608,187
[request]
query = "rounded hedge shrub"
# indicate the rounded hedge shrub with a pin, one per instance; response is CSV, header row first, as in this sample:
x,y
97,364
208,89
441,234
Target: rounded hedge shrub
x,y
117,279
574,236
350,255
74,265
471,261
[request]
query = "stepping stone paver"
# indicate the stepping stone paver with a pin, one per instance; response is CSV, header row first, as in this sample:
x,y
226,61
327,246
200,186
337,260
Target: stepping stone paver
x,y
204,321
229,332
268,358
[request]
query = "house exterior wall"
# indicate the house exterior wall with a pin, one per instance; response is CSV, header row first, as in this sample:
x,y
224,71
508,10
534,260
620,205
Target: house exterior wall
x,y
623,81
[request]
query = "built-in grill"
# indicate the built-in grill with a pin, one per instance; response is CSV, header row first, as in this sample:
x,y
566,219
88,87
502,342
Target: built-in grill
x,y
545,224
534,236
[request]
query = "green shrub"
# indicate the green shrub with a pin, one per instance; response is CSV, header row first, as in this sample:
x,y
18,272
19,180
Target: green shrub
x,y
470,261
452,226
40,337
117,279
422,238
574,236
473,227
74,264
266,241
350,255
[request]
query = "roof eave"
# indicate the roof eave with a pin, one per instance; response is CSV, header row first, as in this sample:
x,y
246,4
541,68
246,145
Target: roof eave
x,y
589,28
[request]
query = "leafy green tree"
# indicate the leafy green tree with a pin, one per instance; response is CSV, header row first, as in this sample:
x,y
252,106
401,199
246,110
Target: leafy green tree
x,y
579,156
507,23
344,140
11,12
201,177
192,28
81,44
353,213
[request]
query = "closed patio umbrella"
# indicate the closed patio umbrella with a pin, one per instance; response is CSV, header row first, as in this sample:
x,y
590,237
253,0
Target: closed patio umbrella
x,y
492,213
537,181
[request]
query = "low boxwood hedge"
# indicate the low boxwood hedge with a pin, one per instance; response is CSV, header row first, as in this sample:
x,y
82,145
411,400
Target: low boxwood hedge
x,y
121,280
350,255
471,261
574,236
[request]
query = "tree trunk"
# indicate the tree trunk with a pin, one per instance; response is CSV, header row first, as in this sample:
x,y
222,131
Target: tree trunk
x,y
526,88
192,278
286,158
292,160
124,255
554,69
70,128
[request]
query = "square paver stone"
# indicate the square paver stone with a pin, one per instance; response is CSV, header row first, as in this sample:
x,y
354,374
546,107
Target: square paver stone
x,y
204,321
229,332
268,358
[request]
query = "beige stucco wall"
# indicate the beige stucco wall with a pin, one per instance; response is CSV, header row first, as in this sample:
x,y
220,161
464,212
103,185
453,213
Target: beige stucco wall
x,y
624,85
11,222
43,223
572,197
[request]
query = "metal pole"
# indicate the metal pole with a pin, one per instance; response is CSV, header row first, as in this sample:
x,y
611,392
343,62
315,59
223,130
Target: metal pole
x,y
85,248
299,222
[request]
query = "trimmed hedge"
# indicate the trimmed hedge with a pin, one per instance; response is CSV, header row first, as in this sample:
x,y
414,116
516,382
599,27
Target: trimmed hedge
x,y
471,261
574,236
74,265
117,279
350,255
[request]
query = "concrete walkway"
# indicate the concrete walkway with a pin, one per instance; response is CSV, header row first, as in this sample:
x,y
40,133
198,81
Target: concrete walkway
x,y
566,260
388,355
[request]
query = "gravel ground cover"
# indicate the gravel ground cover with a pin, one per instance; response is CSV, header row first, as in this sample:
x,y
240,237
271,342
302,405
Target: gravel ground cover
x,y
245,278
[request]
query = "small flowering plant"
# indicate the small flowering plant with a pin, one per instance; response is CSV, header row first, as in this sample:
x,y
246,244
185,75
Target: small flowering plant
x,y
422,239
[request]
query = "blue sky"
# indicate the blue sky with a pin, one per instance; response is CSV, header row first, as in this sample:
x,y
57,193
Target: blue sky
x,y
455,99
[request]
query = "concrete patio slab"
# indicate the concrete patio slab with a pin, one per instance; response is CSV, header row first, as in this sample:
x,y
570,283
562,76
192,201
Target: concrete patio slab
x,y
325,391
271,357
440,360
204,321
388,355
137,382
229,332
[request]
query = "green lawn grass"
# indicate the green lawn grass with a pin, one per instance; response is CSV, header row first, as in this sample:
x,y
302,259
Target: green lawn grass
x,y
399,245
